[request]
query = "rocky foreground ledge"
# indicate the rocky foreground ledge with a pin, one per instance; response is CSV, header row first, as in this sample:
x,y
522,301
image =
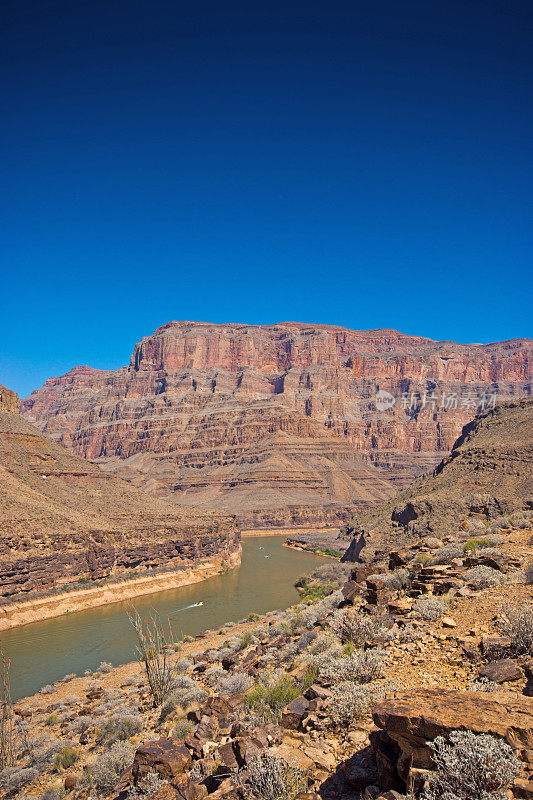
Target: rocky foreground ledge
x,y
343,696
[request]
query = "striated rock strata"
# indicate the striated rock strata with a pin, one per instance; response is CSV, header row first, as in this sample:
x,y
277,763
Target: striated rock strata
x,y
278,423
488,473
9,401
62,518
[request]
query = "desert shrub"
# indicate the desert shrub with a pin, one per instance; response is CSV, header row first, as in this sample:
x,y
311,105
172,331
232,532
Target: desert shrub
x,y
432,542
303,642
407,634
81,724
43,750
133,680
430,608
273,694
66,757
362,666
110,765
184,692
446,554
184,664
51,719
72,700
182,728
331,573
350,626
14,777
324,642
517,624
353,700
332,601
477,543
48,689
120,726
105,667
309,677
483,685
270,777
476,524
235,684
483,577
471,767
245,641
422,558
394,580
214,675
154,645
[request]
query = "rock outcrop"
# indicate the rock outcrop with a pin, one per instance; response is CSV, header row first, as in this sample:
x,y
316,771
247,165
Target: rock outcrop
x,y
412,720
62,518
488,473
281,424
9,401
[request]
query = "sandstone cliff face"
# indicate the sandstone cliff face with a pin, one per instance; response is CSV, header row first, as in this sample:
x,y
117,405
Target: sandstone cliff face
x,y
9,401
62,518
277,423
488,473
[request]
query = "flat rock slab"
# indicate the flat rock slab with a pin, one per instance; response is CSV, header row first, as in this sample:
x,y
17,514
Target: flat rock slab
x,y
167,757
414,718
501,671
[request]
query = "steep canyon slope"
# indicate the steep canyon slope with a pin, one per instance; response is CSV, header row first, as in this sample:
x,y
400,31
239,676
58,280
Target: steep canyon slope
x,y
278,423
488,474
62,518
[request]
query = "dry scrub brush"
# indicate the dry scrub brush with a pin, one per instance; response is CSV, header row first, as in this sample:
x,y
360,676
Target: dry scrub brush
x,y
154,645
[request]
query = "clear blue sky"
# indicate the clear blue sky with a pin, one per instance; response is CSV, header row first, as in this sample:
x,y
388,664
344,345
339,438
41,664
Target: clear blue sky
x,y
367,164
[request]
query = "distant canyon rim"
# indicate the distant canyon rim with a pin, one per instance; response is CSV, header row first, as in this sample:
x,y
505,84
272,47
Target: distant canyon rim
x,y
278,424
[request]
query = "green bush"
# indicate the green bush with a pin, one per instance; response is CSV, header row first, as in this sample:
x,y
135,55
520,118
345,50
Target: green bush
x,y
273,695
66,757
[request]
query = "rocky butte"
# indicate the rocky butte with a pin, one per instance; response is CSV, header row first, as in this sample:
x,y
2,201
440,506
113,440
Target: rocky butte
x,y
278,423
62,518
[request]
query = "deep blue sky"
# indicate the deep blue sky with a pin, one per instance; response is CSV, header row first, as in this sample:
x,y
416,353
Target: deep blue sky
x,y
365,163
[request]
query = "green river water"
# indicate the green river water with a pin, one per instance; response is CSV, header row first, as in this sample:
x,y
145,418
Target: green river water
x,y
43,652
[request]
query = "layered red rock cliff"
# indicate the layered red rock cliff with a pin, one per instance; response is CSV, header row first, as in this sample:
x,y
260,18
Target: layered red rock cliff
x,y
62,518
278,423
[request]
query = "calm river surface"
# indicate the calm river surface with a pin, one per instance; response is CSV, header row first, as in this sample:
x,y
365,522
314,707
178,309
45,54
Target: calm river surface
x,y
42,652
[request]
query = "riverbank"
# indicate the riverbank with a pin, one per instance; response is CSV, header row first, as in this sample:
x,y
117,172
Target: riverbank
x,y
288,532
37,610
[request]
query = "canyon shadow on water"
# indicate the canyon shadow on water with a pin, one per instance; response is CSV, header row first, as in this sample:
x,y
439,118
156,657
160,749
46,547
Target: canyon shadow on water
x,y
43,652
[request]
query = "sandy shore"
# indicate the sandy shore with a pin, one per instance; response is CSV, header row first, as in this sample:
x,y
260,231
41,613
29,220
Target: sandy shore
x,y
288,532
25,612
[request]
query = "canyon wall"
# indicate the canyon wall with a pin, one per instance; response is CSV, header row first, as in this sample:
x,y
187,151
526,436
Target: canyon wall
x,y
63,519
279,424
9,401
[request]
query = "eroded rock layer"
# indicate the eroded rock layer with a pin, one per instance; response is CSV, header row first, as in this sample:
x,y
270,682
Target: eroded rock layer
x,y
489,473
62,518
278,423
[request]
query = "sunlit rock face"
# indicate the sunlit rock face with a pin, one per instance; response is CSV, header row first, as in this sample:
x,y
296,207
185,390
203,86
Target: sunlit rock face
x,y
280,424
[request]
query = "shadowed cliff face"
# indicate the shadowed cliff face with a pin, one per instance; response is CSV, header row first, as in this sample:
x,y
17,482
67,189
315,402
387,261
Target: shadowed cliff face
x,y
62,517
277,423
